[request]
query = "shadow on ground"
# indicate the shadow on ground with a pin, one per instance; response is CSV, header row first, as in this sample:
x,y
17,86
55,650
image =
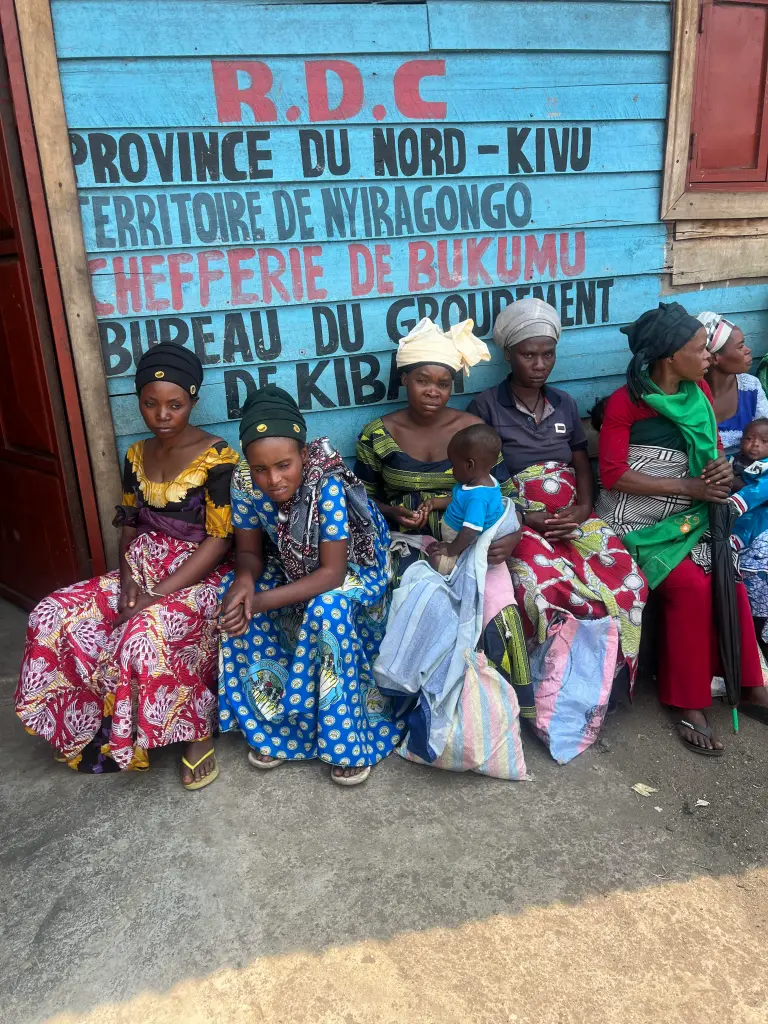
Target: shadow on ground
x,y
124,884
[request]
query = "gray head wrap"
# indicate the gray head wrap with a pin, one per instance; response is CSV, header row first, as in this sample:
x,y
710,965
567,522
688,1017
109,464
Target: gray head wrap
x,y
524,319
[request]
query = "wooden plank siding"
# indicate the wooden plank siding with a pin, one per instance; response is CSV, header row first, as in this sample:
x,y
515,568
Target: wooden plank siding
x,y
289,219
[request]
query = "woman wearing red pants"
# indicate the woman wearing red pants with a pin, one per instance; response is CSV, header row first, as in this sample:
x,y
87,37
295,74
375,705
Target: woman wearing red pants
x,y
660,464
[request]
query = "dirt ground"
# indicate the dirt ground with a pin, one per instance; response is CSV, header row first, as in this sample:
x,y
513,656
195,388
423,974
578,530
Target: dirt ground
x,y
278,897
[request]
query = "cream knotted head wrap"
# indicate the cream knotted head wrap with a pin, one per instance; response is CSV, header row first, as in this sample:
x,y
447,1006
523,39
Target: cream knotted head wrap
x,y
457,349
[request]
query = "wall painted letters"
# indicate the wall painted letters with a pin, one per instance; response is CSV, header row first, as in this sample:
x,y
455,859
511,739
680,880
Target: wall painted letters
x,y
291,213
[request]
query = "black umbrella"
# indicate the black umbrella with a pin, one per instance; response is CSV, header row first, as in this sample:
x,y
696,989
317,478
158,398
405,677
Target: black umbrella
x,y
721,517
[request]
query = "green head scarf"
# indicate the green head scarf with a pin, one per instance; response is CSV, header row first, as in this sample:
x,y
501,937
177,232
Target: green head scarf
x,y
271,412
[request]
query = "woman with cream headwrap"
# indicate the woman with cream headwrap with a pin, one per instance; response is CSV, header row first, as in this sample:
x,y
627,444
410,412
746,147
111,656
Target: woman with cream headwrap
x,y
410,489
738,396
402,458
568,563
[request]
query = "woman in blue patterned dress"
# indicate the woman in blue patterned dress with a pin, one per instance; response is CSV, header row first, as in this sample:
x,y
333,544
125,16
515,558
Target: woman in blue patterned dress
x,y
737,395
304,612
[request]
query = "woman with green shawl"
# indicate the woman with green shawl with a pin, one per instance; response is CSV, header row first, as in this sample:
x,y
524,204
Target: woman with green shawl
x,y
660,465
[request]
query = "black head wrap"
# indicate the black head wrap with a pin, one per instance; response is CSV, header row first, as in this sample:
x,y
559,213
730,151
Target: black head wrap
x,y
429,362
657,334
172,363
271,412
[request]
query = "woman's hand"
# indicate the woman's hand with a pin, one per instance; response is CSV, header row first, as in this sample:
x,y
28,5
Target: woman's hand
x,y
507,544
564,524
698,489
407,518
718,472
558,526
536,521
237,606
503,548
140,602
129,595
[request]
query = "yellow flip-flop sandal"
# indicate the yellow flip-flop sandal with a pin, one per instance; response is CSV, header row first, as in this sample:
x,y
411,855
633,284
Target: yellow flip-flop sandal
x,y
209,778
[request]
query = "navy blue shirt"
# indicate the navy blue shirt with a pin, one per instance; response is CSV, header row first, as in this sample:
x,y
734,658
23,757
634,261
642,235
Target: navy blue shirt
x,y
524,442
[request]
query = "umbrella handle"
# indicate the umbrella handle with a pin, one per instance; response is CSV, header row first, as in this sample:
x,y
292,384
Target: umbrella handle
x,y
735,712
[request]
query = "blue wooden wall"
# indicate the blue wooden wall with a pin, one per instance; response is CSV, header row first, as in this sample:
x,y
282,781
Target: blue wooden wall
x,y
288,188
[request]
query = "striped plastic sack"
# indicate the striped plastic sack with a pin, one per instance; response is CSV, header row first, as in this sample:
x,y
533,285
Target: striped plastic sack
x,y
572,674
485,735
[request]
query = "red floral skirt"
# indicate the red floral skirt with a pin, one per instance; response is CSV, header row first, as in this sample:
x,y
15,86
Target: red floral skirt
x,y
104,694
589,576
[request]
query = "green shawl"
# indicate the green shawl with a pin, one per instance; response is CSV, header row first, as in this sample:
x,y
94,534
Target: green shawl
x,y
661,548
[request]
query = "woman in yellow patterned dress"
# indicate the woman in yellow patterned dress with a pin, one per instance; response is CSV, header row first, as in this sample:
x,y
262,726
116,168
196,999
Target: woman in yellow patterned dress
x,y
125,662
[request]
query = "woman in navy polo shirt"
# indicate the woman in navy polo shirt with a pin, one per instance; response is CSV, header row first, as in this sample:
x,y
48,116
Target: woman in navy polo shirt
x,y
568,562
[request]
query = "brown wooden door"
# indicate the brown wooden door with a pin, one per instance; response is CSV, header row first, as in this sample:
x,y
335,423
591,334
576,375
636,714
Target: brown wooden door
x,y
41,536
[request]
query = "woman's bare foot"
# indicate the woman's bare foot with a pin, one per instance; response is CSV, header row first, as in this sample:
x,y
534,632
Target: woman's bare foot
x,y
192,753
345,775
342,772
754,703
691,736
757,695
256,755
265,761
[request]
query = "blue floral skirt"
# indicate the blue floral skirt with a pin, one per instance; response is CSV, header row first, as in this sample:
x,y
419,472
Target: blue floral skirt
x,y
298,684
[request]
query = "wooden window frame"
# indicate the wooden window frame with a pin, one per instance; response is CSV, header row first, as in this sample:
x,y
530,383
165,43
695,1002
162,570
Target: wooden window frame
x,y
678,200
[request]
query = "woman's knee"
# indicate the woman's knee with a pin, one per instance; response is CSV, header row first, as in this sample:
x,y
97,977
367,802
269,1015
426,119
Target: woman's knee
x,y
325,603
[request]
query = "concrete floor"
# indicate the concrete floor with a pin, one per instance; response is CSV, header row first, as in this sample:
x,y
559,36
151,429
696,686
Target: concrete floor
x,y
278,897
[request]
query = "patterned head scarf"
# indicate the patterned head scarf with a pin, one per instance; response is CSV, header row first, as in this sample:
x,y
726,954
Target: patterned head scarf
x,y
718,328
456,349
298,525
170,363
271,412
523,320
657,334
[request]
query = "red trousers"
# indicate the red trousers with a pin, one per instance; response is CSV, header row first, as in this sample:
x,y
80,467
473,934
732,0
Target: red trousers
x,y
688,655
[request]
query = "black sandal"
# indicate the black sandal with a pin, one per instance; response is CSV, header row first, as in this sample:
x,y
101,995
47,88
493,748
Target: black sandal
x,y
702,730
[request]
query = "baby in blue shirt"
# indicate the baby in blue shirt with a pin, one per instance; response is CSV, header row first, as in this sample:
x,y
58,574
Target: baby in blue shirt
x,y
750,469
476,502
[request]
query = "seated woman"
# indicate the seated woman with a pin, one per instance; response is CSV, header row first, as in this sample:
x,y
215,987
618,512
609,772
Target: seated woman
x,y
738,397
567,562
402,458
305,609
659,462
126,662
